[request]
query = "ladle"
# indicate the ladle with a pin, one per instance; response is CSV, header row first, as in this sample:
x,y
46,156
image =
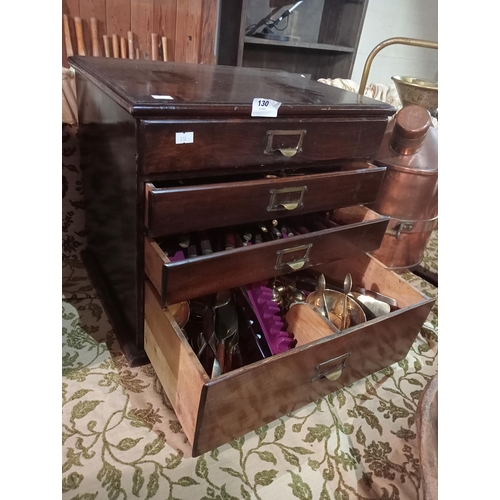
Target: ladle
x,y
347,291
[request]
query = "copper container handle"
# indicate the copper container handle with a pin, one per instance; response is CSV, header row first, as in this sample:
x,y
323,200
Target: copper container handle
x,y
414,42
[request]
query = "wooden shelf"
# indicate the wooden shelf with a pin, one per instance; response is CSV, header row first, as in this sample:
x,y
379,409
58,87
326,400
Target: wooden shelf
x,y
298,45
324,36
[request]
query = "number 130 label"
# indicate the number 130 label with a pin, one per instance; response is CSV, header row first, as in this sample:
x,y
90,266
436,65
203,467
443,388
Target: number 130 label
x,y
265,107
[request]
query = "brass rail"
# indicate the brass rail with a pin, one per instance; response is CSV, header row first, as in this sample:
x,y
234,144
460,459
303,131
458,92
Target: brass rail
x,y
390,41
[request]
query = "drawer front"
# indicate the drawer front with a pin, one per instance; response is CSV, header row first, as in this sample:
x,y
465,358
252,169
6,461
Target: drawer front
x,y
285,382
175,210
198,145
181,280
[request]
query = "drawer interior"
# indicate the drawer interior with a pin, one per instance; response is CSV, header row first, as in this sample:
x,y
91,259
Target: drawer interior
x,y
214,409
195,264
267,173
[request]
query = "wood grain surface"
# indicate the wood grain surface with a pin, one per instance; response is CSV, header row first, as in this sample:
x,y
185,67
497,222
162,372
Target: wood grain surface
x,y
176,365
97,10
165,21
141,17
188,31
118,17
188,26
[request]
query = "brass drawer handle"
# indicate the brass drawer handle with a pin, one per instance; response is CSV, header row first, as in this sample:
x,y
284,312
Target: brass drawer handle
x,y
288,152
285,151
293,258
331,369
286,198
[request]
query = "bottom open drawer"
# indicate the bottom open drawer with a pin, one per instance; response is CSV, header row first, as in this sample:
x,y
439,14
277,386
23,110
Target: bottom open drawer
x,y
215,411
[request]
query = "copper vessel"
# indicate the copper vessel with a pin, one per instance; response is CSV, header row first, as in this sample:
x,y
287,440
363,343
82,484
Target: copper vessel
x,y
409,191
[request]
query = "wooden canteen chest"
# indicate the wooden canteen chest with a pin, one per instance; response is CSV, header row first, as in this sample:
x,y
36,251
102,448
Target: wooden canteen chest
x,y
170,150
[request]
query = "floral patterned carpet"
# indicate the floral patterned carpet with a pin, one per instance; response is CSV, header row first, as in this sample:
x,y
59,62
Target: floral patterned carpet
x,y
122,440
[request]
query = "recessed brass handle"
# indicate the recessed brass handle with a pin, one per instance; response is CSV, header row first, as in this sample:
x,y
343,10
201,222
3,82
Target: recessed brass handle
x,y
335,375
293,258
285,151
331,369
289,206
296,265
288,152
289,198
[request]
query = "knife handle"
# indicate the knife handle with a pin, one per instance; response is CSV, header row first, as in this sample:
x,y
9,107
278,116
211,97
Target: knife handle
x,y
184,241
317,225
237,240
221,355
191,253
262,227
205,245
247,236
275,233
330,223
230,243
301,230
284,232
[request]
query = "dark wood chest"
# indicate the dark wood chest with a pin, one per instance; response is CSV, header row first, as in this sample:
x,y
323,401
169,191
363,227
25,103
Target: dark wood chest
x,y
182,151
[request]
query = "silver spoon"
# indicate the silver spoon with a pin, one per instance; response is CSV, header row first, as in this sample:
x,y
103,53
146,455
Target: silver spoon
x,y
347,291
321,290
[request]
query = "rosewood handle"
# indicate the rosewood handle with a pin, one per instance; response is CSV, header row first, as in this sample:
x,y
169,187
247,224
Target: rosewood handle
x,y
230,242
123,47
192,253
164,47
154,47
67,36
96,52
107,48
205,245
130,37
79,37
116,46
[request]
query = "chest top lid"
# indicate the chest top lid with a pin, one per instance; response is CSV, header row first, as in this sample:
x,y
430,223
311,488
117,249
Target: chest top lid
x,y
198,89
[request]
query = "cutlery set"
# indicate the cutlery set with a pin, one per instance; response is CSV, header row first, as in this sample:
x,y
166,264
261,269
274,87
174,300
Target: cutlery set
x,y
203,243
233,328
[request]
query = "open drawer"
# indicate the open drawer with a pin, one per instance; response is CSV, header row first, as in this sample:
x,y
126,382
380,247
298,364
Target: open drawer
x,y
361,230
173,206
212,412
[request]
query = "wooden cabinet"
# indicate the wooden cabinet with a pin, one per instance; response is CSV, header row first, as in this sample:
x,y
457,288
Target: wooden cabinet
x,y
170,150
319,39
